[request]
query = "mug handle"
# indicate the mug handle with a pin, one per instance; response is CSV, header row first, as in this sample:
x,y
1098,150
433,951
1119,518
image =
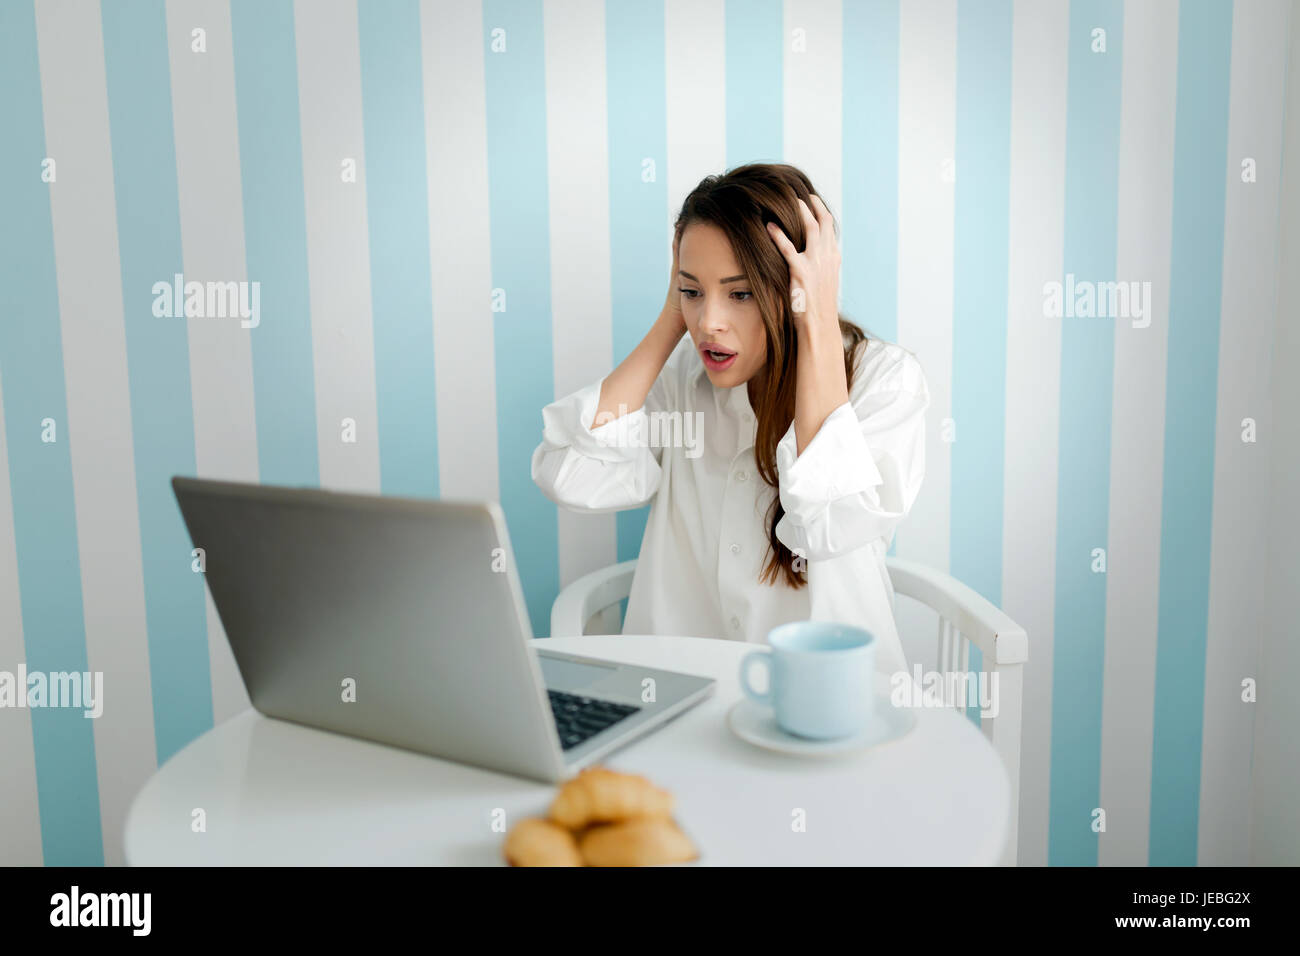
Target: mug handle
x,y
746,665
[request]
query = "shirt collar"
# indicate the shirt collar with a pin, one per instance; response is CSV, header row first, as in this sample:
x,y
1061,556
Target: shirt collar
x,y
736,400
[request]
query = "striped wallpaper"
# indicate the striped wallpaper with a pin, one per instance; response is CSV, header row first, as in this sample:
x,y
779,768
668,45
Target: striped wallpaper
x,y
456,211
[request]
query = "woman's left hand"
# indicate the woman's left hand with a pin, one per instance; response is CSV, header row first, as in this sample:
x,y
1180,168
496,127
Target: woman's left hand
x,y
815,272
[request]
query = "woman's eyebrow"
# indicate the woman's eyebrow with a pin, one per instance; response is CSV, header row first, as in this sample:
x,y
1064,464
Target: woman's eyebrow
x,y
693,279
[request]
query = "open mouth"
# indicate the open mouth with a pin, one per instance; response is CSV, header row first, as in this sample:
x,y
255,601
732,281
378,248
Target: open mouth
x,y
717,357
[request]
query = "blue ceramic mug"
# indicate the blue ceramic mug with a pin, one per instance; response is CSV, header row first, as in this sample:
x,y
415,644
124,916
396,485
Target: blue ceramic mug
x,y
820,678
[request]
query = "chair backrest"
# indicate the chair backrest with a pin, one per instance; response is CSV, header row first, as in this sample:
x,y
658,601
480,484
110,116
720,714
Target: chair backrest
x,y
590,605
966,620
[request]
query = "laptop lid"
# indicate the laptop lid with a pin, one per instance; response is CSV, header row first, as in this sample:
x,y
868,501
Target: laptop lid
x,y
398,620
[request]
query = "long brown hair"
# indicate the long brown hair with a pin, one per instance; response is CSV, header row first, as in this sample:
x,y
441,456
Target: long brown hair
x,y
741,202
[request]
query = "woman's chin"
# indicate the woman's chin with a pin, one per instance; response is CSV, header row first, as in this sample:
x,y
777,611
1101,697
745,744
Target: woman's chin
x,y
727,378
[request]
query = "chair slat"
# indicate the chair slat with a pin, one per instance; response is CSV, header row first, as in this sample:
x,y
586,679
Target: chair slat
x,y
964,670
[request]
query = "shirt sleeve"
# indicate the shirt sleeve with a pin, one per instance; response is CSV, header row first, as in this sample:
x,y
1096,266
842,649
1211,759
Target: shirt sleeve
x,y
610,467
860,474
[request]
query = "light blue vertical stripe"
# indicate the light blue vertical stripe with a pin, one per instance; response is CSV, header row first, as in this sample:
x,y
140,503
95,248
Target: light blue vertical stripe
x,y
397,207
981,243
521,267
869,243
1195,283
639,253
755,82
40,473
158,361
1083,482
275,238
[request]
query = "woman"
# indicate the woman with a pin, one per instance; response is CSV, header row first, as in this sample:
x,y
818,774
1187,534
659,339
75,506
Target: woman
x,y
781,446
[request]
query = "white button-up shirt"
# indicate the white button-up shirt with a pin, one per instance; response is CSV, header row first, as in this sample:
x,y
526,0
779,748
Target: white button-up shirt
x,y
690,451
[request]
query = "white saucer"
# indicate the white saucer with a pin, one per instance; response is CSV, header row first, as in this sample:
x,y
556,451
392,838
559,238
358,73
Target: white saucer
x,y
756,724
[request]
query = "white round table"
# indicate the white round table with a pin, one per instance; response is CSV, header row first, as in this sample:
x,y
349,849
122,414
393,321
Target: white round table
x,y
276,793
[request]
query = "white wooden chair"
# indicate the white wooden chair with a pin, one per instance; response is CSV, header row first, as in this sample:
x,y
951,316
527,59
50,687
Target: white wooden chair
x,y
590,605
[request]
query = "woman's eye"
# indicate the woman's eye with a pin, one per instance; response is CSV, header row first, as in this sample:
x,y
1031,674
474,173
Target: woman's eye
x,y
695,294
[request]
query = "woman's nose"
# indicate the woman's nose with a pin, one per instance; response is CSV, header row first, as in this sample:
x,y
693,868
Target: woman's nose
x,y
713,319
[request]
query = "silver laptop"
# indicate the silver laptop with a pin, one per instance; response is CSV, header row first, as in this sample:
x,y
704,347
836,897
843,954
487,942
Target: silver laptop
x,y
402,621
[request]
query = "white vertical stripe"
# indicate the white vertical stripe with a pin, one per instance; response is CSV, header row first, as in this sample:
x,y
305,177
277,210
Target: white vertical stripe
x,y
75,100
1146,174
20,822
1240,531
814,95
1039,73
1275,776
212,237
577,144
927,104
460,247
695,80
338,259
329,102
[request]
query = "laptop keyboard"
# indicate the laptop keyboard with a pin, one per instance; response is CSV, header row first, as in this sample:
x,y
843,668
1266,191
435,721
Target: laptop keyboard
x,y
580,718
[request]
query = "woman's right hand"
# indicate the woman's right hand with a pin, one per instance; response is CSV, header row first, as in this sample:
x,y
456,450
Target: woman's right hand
x,y
672,313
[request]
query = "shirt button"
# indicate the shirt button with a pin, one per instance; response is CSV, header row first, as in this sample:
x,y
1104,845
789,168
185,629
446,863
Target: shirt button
x,y
735,549
742,476
735,622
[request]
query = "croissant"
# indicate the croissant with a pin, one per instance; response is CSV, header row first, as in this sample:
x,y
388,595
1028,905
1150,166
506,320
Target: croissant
x,y
598,795
649,841
538,842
